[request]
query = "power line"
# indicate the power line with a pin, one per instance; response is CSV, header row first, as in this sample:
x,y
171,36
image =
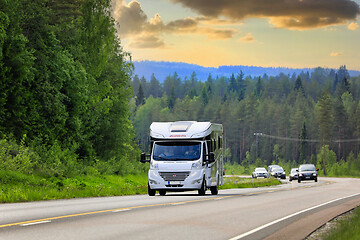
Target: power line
x,y
304,140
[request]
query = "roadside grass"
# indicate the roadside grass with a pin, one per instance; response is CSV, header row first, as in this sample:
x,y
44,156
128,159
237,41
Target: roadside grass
x,y
18,187
347,228
238,182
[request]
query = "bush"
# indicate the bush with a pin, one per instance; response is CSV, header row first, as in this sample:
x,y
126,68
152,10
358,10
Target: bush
x,y
16,157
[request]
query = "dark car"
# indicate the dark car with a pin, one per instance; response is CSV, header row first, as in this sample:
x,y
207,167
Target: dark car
x,y
293,174
277,172
307,172
271,167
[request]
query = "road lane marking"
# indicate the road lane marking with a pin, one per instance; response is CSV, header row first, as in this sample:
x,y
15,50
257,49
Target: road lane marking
x,y
33,223
122,210
101,211
287,217
179,203
137,207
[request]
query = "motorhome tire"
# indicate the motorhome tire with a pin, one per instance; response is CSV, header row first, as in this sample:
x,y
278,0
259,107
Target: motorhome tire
x,y
214,190
202,190
151,192
162,192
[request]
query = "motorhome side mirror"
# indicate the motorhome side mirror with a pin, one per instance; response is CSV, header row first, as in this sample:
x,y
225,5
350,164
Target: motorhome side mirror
x,y
211,157
143,158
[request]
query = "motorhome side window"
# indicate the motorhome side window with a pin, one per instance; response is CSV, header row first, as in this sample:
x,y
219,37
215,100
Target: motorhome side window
x,y
172,151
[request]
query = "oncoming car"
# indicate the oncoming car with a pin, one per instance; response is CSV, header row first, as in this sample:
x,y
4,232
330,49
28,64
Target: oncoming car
x,y
307,172
278,172
293,174
260,172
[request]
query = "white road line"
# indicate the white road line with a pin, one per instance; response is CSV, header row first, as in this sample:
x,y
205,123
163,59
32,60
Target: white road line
x,y
180,203
287,217
33,223
122,210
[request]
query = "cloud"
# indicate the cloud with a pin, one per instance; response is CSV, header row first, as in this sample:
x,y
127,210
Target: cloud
x,y
353,26
291,14
248,38
131,17
336,54
150,41
148,33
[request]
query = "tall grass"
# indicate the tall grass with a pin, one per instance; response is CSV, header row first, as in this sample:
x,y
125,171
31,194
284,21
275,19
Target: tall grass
x,y
348,228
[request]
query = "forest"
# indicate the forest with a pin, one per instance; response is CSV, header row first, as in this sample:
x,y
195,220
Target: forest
x,y
288,120
74,117
64,90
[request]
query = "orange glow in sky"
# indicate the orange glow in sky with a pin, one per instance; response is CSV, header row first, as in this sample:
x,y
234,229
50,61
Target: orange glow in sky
x,y
276,33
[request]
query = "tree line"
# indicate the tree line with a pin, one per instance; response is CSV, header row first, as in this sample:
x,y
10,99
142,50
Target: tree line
x,y
64,87
268,119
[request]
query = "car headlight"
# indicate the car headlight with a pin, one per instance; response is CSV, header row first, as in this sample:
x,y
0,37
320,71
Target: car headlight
x,y
300,174
314,174
196,165
154,166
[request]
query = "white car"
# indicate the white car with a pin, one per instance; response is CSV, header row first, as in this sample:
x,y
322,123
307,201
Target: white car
x,y
293,174
260,172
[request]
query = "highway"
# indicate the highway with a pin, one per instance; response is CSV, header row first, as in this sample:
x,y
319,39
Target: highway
x,y
288,211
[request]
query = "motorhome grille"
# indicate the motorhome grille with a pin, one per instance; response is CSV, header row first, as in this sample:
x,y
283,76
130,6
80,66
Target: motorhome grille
x,y
174,176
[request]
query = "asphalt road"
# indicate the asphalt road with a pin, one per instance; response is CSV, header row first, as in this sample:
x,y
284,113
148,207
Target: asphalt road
x,y
288,211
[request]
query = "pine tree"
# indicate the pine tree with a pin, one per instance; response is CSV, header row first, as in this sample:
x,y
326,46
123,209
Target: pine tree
x,y
303,147
140,98
325,121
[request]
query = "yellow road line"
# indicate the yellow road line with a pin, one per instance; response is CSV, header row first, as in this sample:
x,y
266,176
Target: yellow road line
x,y
104,211
137,207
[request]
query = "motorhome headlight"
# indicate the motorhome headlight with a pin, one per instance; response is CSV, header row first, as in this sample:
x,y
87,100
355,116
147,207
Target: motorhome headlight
x,y
154,166
196,165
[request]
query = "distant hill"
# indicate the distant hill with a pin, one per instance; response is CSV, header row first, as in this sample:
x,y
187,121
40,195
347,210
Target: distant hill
x,y
164,69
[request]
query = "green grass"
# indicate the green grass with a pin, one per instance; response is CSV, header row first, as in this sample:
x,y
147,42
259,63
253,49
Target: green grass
x,y
238,182
348,228
17,187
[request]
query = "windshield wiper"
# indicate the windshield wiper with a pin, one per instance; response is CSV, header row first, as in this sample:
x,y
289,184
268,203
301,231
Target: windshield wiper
x,y
162,158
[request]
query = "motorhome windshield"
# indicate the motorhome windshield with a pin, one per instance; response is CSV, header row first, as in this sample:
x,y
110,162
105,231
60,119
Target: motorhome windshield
x,y
176,151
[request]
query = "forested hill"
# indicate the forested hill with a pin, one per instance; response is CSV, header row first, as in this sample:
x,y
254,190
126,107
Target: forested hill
x,y
305,118
163,69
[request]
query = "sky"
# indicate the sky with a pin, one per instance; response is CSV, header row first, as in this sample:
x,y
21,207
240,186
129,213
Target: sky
x,y
266,33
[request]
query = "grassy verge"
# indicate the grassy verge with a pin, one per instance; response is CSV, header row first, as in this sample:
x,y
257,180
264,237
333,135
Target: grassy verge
x,y
348,228
237,182
18,187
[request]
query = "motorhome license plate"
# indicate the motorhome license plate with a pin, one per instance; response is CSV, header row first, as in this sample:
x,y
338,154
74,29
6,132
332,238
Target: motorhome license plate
x,y
174,182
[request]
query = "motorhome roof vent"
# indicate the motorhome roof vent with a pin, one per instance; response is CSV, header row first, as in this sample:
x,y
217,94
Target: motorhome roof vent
x,y
180,126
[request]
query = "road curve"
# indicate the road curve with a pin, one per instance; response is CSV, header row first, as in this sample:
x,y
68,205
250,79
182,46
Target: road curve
x,y
292,211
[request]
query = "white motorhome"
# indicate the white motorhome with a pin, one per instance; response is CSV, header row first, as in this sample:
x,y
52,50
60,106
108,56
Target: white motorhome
x,y
185,155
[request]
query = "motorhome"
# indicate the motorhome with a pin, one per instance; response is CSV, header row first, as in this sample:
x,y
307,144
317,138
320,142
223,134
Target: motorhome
x,y
185,155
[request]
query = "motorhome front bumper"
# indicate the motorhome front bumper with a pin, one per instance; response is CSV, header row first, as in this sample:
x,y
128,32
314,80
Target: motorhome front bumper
x,y
171,180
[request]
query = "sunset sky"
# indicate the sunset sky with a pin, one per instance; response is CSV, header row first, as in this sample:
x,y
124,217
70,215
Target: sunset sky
x,y
267,33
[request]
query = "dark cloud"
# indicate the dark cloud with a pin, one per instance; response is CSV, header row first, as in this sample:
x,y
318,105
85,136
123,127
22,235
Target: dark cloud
x,y
296,14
